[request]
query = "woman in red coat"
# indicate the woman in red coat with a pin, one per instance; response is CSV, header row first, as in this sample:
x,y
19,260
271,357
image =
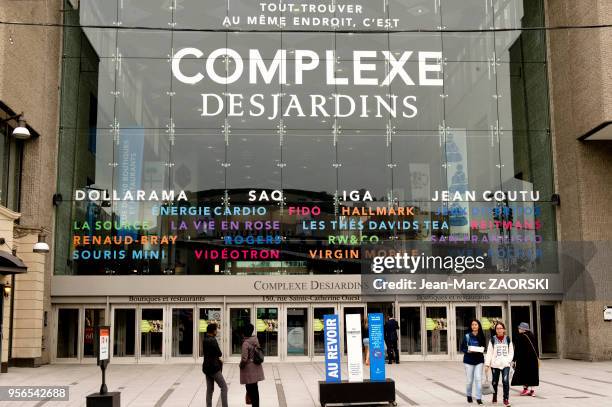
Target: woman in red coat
x,y
250,372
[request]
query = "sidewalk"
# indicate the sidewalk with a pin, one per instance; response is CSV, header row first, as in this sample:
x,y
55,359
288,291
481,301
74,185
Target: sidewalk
x,y
563,383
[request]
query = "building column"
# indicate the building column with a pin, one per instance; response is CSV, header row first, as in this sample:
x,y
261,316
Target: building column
x,y
29,299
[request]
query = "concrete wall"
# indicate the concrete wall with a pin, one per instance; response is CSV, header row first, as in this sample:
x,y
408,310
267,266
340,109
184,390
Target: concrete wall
x,y
580,75
29,299
30,67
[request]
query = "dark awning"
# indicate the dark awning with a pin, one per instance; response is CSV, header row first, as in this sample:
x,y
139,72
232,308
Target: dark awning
x,y
10,264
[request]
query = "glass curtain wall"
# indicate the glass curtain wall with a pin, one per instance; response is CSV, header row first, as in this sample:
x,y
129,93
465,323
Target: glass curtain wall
x,y
476,120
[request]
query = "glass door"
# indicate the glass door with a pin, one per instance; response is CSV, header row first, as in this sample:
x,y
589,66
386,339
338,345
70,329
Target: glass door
x,y
318,329
267,328
547,327
151,332
92,318
123,334
239,316
296,332
67,344
437,338
182,333
520,312
410,332
464,314
208,316
490,314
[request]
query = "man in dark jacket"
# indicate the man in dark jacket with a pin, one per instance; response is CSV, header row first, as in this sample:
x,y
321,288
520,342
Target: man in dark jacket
x,y
391,327
212,366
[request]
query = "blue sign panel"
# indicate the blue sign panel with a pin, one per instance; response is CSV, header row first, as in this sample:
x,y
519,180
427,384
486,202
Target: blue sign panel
x,y
332,349
377,346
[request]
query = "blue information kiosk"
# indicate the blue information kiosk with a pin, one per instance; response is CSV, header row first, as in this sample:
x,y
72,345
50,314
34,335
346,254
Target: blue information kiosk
x,y
377,389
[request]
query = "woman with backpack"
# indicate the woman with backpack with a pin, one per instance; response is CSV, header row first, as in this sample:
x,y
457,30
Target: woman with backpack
x,y
500,353
251,369
473,359
527,362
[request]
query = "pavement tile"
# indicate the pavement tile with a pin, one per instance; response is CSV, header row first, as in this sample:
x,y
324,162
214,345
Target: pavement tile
x,y
564,383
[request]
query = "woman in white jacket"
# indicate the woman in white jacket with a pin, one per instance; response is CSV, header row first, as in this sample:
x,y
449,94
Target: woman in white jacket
x,y
500,353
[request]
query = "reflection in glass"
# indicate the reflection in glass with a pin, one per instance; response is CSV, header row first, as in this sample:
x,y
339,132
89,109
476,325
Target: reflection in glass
x,y
182,332
466,14
209,316
124,338
94,317
297,326
518,314
266,326
67,332
239,317
548,328
310,164
436,323
254,162
318,328
120,99
352,150
463,317
151,332
410,330
490,315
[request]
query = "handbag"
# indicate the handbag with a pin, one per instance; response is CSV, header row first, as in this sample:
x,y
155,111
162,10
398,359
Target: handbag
x,y
258,355
247,398
487,387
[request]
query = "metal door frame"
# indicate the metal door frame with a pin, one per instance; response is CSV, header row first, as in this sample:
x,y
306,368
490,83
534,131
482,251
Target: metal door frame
x,y
414,356
124,359
426,355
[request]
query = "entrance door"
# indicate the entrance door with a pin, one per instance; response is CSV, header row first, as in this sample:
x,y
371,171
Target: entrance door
x,y
182,333
93,318
297,326
267,327
124,331
410,332
464,314
212,315
318,337
520,312
151,332
490,315
239,316
67,344
437,338
547,327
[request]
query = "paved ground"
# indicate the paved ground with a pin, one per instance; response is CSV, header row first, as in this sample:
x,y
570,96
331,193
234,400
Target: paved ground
x,y
563,383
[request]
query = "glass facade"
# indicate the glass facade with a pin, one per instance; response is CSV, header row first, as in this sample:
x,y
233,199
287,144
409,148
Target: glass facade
x,y
194,96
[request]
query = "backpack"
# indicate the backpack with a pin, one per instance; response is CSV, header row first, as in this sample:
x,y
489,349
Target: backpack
x,y
493,340
258,355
